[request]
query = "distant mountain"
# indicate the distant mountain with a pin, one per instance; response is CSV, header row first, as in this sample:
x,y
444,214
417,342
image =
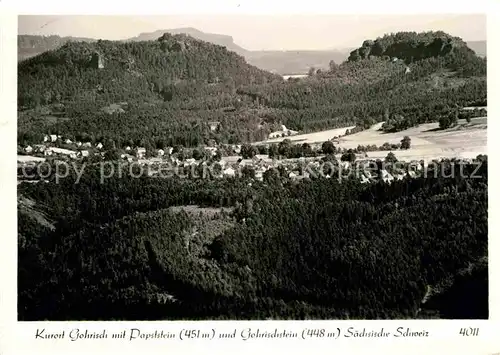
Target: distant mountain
x,y
281,62
294,62
221,40
31,45
478,46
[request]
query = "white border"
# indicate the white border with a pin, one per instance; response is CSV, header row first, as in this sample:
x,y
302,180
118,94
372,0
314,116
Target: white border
x,y
18,338
280,7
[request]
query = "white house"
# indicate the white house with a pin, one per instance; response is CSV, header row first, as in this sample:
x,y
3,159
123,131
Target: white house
x,y
170,150
47,152
259,173
46,138
39,148
99,145
78,144
68,141
160,152
84,153
28,149
87,144
127,157
141,151
128,148
53,137
67,152
229,172
214,125
211,150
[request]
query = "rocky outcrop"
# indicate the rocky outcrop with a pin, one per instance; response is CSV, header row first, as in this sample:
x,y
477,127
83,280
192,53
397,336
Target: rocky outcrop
x,y
410,46
174,43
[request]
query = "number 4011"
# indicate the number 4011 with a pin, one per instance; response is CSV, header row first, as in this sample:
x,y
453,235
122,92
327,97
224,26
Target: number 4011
x,y
469,332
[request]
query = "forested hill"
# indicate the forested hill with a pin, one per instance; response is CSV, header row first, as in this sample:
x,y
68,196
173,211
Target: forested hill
x,y
108,71
374,87
314,249
31,45
411,46
174,86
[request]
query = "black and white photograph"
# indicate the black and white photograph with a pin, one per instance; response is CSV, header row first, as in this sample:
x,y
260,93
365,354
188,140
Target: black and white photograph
x,y
252,167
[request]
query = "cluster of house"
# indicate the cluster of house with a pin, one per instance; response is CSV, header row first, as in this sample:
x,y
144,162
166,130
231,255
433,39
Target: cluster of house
x,y
48,150
296,169
360,170
85,149
227,168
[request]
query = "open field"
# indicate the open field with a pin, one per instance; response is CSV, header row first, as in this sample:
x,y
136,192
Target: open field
x,y
316,137
466,140
427,140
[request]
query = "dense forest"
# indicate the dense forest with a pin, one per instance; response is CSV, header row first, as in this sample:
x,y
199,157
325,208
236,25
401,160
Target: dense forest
x,y
171,88
277,249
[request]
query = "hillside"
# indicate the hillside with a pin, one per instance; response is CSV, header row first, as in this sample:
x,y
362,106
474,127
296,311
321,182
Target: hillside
x,y
374,87
119,251
107,71
166,88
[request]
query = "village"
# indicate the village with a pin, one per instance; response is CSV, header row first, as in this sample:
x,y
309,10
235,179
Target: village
x,y
293,155
208,161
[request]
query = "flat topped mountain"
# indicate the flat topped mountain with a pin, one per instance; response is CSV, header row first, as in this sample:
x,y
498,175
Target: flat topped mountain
x,y
411,46
219,39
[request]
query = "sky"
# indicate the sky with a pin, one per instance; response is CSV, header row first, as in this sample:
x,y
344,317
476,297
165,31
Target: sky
x,y
262,32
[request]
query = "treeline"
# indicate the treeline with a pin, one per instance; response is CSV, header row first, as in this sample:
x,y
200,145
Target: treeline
x,y
289,250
